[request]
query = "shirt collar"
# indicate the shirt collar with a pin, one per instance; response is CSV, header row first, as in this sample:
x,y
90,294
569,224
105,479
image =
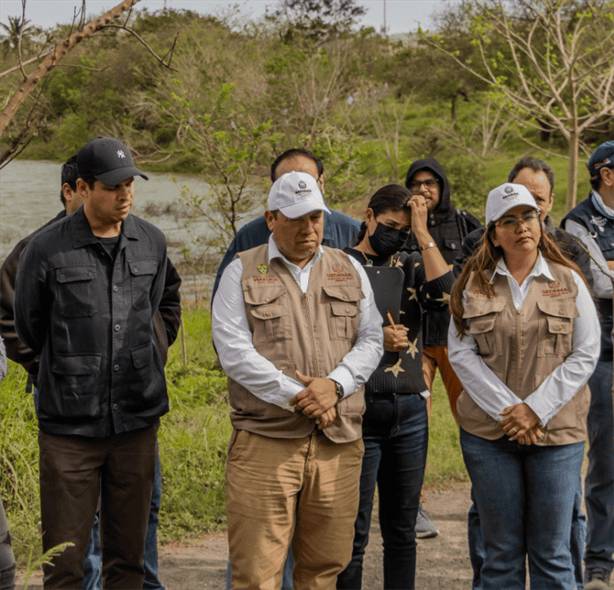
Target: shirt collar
x,y
275,253
82,234
540,268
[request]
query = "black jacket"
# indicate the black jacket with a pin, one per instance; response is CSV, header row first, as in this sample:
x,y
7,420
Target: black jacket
x,y
448,227
89,317
166,320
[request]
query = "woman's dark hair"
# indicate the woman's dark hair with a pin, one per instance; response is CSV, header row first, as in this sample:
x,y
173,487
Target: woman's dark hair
x,y
392,197
482,265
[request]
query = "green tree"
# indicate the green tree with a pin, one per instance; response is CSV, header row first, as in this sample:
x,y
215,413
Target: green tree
x,y
559,72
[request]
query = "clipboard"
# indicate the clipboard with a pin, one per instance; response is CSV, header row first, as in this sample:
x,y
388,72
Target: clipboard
x,y
387,284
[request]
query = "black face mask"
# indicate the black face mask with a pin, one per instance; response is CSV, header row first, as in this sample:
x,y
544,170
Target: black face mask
x,y
386,241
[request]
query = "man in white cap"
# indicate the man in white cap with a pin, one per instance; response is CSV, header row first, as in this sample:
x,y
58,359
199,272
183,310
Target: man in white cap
x,y
298,334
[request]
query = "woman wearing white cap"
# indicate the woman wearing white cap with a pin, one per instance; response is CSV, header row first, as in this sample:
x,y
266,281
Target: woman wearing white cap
x,y
524,339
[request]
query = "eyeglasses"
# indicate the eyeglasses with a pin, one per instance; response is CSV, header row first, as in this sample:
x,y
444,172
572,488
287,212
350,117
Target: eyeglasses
x,y
512,222
429,183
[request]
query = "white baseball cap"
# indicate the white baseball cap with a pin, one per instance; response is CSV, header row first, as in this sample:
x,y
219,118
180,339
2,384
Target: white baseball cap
x,y
296,194
506,197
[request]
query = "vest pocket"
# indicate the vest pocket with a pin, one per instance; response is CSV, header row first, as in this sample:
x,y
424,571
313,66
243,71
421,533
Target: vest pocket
x,y
344,313
482,328
273,321
559,319
268,313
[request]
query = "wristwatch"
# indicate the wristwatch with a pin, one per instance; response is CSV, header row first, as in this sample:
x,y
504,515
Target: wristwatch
x,y
338,389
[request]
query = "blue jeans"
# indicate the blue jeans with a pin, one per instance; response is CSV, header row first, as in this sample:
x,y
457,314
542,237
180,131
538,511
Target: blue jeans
x,y
578,535
92,566
599,482
395,433
525,498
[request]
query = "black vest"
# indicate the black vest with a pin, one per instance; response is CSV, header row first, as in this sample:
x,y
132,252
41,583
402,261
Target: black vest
x,y
601,229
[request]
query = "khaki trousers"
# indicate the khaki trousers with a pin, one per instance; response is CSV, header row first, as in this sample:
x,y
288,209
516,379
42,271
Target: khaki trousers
x,y
301,492
437,356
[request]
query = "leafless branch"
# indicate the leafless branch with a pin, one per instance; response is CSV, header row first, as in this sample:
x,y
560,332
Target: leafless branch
x,y
21,28
146,45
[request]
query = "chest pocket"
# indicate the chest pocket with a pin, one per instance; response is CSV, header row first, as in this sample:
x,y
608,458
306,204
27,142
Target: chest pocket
x,y
559,315
482,316
269,313
76,294
344,313
142,273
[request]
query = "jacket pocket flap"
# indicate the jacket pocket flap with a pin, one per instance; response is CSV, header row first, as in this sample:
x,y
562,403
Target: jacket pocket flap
x,y
141,356
143,267
347,293
75,364
343,309
560,325
255,296
267,312
561,308
482,307
451,244
70,274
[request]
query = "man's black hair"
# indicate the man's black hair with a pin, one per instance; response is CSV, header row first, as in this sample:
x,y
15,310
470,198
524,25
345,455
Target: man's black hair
x,y
69,176
535,164
293,153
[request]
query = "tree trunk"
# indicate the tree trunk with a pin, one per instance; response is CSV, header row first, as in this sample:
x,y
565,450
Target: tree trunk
x,y
30,83
572,176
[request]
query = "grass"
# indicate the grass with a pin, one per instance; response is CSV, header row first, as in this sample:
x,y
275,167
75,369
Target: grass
x,y
192,437
444,465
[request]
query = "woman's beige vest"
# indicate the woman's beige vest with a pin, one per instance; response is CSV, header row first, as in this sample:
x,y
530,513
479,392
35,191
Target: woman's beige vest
x,y
523,347
310,332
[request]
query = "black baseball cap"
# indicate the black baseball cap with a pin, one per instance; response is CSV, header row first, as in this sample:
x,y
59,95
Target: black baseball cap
x,y
108,160
602,156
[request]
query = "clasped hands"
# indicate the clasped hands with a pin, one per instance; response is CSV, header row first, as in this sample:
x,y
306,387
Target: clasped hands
x,y
318,400
522,424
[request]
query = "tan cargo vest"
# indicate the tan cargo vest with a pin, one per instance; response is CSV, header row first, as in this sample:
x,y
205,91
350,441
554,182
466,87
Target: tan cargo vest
x,y
523,347
311,332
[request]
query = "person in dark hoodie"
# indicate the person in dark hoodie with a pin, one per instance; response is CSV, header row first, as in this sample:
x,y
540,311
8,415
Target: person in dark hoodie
x,y
448,227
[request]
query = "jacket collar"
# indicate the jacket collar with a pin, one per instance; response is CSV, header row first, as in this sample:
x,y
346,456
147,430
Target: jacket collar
x,y
82,234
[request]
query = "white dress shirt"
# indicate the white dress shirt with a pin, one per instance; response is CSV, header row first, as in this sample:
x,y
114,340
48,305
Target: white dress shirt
x,y
242,362
492,395
602,275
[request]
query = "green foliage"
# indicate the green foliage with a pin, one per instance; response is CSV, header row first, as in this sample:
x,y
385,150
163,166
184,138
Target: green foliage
x,y
445,463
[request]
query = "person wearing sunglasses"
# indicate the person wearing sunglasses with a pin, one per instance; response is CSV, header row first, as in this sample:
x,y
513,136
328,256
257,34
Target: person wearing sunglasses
x,y
523,340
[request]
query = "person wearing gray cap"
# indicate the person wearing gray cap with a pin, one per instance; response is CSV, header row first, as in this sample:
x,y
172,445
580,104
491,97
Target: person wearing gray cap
x,y
592,221
298,334
523,339
87,289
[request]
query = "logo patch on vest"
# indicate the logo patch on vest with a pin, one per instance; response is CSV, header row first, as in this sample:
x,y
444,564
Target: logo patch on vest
x,y
263,269
554,290
600,222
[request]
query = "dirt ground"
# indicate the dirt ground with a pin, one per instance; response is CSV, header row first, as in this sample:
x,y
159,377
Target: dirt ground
x,y
443,562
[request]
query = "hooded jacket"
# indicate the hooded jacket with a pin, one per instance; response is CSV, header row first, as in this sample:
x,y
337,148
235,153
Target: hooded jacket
x,y
448,227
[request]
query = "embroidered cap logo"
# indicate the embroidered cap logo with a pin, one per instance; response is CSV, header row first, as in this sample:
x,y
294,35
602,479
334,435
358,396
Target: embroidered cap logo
x,y
120,154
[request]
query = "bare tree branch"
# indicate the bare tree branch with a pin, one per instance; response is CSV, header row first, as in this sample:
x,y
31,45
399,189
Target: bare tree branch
x,y
147,46
31,81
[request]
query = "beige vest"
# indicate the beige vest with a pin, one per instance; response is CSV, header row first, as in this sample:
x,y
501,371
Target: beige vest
x,y
311,332
523,347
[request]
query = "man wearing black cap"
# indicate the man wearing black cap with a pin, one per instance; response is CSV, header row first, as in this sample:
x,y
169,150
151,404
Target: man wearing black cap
x,y
87,289
592,221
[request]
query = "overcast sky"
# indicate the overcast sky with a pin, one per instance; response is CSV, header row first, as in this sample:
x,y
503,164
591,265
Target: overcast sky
x,y
402,16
